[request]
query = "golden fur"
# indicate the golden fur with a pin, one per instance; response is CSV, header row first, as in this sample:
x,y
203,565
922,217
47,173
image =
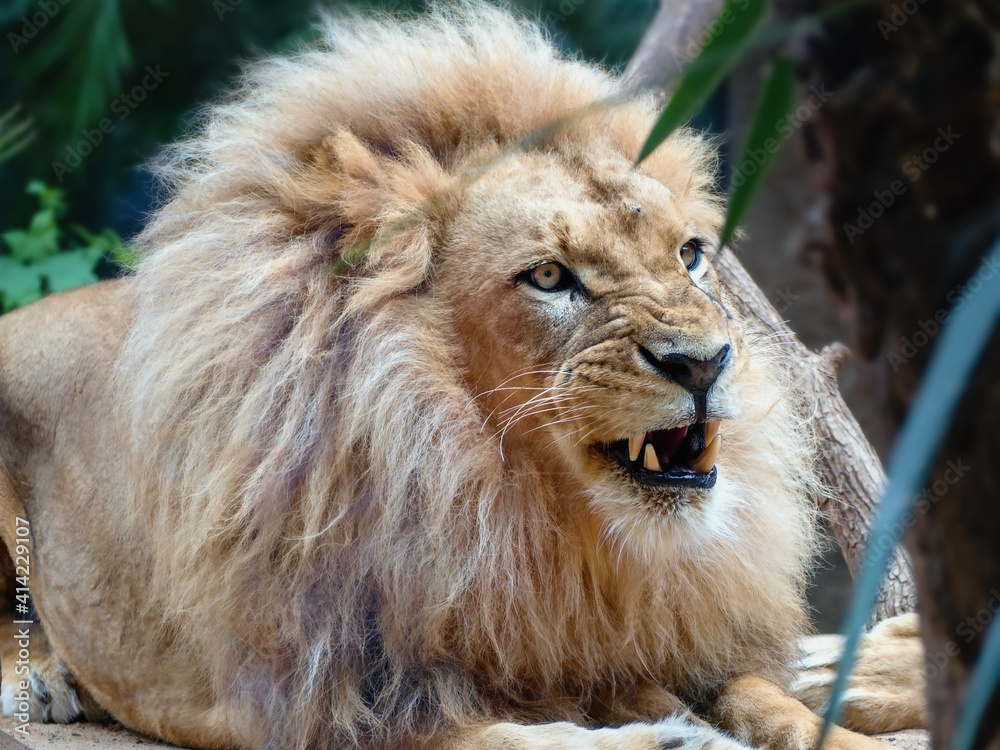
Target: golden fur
x,y
368,505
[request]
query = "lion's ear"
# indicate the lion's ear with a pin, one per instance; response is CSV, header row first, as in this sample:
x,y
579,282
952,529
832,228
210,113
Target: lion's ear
x,y
349,158
371,190
384,205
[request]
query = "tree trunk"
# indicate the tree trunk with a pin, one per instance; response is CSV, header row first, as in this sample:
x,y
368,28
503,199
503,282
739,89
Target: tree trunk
x,y
848,464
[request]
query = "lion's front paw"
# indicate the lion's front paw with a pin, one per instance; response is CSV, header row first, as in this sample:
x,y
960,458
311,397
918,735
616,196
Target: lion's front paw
x,y
694,736
47,694
669,734
886,689
843,739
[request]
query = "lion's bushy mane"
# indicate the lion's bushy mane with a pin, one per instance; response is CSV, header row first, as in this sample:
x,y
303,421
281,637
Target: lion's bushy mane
x,y
338,540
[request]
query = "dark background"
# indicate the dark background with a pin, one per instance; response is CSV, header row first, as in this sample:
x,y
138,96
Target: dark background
x,y
71,71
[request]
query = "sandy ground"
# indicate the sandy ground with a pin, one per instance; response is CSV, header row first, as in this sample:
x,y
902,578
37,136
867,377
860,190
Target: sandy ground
x,y
910,740
116,737
76,736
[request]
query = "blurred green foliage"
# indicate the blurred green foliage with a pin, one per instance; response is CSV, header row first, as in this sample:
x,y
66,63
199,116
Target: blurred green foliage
x,y
80,72
44,258
15,135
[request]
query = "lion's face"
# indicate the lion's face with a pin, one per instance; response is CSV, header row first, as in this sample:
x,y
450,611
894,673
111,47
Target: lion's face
x,y
592,326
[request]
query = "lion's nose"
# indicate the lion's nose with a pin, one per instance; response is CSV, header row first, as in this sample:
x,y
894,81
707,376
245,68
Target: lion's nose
x,y
695,375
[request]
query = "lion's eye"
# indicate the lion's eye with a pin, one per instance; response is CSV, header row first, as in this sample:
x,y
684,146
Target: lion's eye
x,y
691,254
549,276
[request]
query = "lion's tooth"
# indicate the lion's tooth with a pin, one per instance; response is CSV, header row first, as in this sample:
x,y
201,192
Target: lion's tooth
x,y
651,462
635,446
711,430
704,463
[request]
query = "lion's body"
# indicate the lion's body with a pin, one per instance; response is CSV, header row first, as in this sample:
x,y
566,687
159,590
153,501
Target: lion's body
x,y
273,503
62,473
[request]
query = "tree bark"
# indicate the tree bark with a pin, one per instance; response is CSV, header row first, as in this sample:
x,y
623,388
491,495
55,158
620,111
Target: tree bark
x,y
670,43
848,465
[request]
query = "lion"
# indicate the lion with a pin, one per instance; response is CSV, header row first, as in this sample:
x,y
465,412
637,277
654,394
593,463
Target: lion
x,y
422,423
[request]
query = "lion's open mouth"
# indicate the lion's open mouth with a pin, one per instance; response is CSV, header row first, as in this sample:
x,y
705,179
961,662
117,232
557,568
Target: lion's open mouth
x,y
682,456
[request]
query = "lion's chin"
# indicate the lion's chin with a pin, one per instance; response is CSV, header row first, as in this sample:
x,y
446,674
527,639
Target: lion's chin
x,y
680,457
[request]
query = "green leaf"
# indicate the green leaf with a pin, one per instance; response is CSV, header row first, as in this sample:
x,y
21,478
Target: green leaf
x,y
109,244
31,245
737,24
43,234
127,256
14,137
108,240
93,253
982,683
106,56
43,221
14,239
50,198
19,284
965,333
68,31
763,141
40,240
68,270
88,42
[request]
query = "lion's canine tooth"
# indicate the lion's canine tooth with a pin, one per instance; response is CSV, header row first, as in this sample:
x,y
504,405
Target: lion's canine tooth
x,y
711,430
651,462
635,446
704,463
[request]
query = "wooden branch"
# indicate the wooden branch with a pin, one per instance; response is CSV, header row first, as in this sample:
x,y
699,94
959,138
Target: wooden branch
x,y
669,43
848,464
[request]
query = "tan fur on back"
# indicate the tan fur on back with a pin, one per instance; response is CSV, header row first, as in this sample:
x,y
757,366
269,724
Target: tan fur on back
x,y
340,534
